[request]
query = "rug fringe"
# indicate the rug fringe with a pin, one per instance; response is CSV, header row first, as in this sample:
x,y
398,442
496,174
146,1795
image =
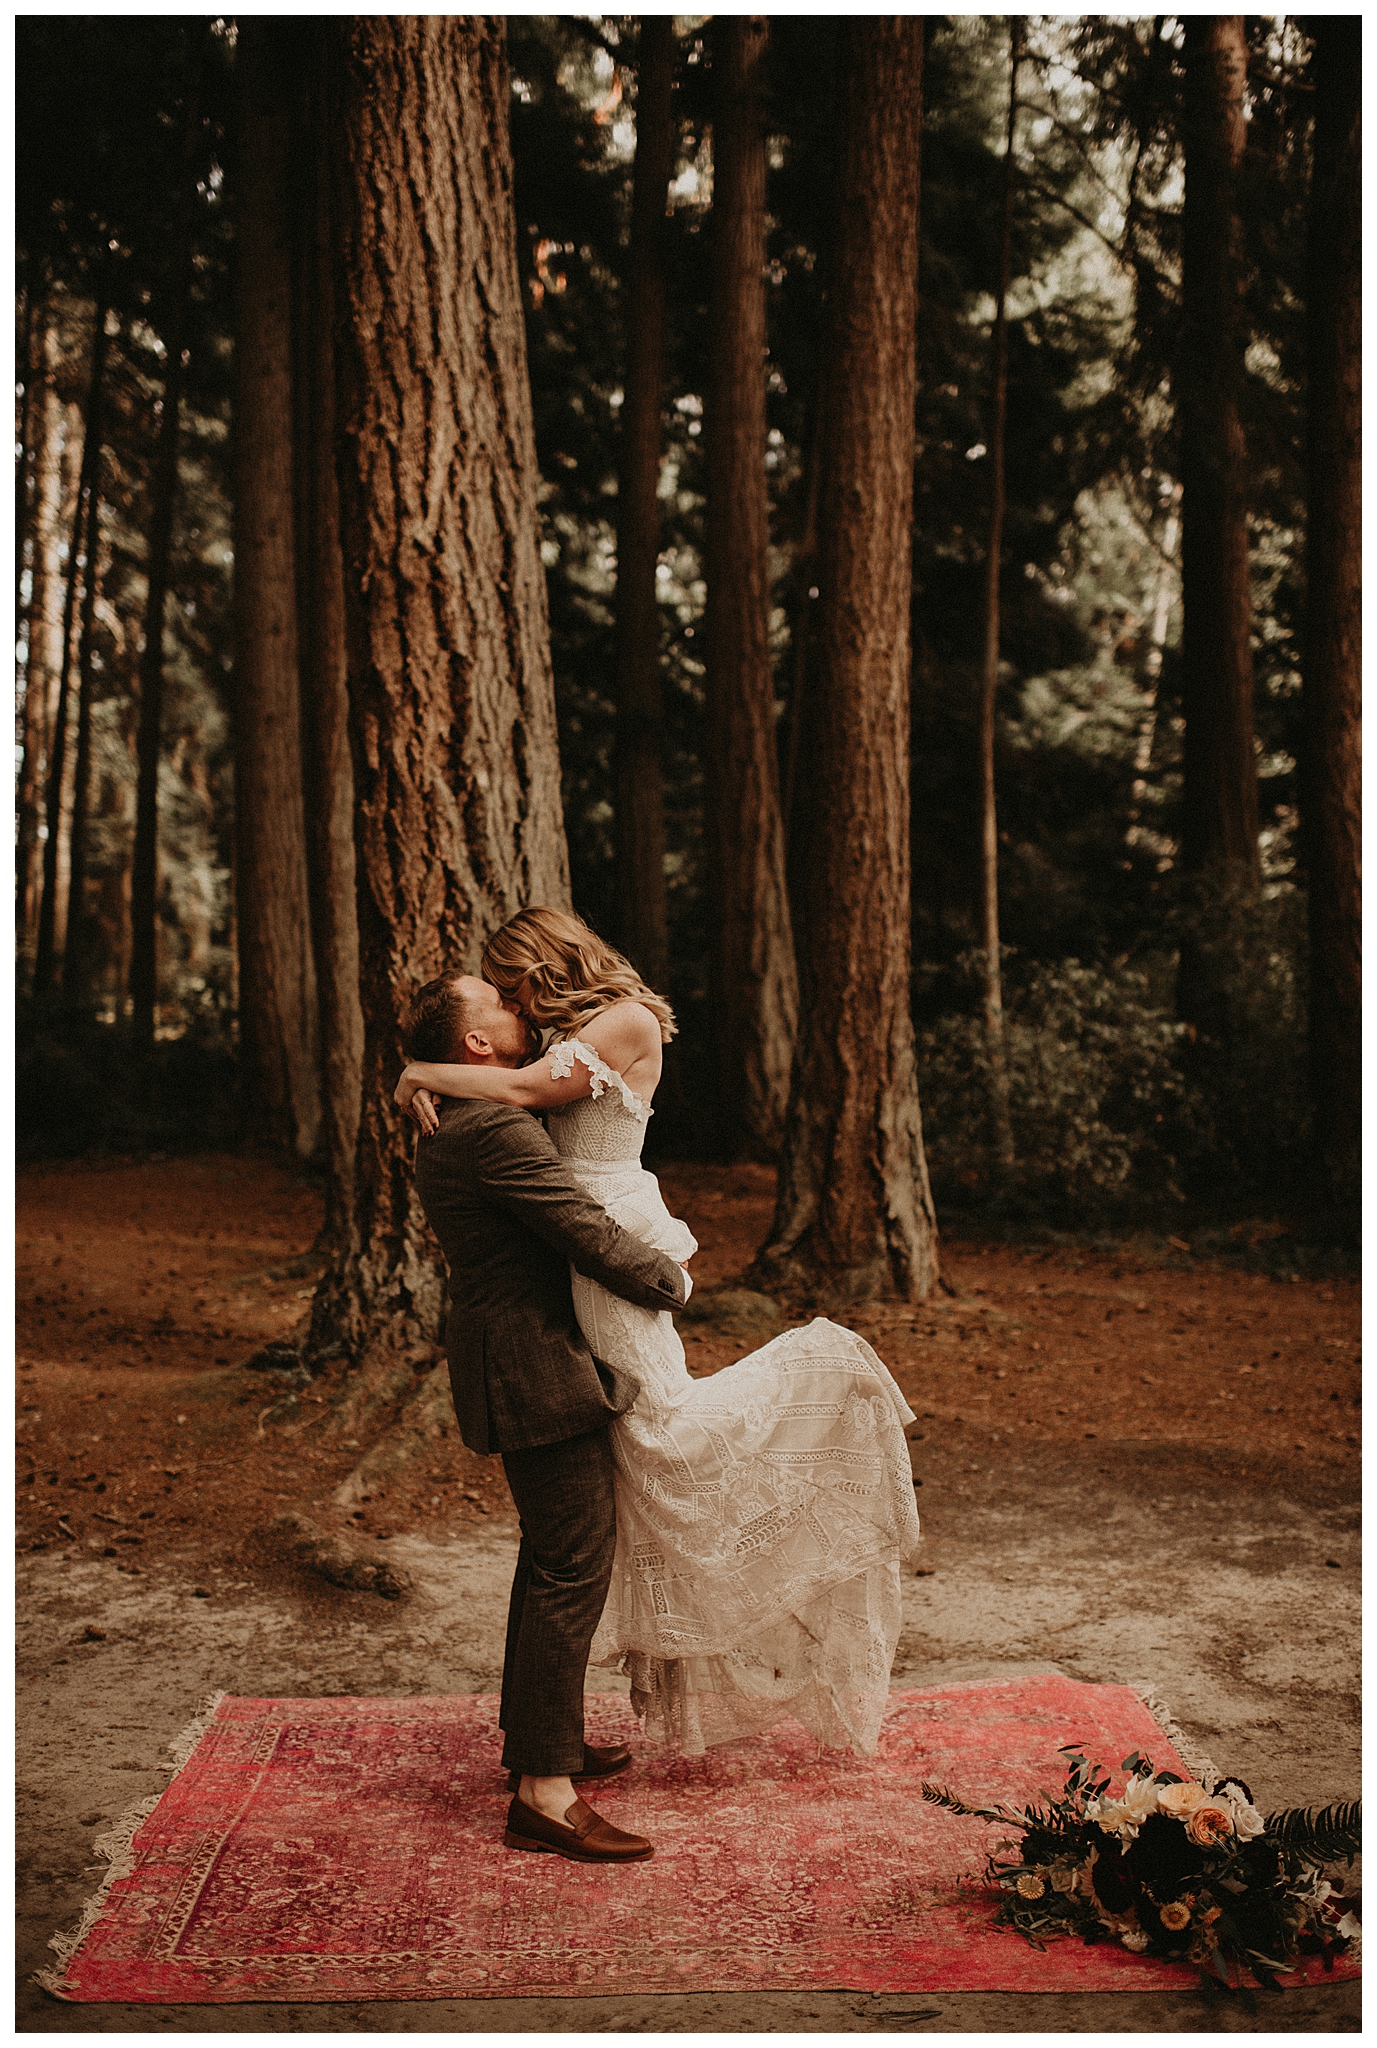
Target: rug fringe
x,y
117,1846
1197,1763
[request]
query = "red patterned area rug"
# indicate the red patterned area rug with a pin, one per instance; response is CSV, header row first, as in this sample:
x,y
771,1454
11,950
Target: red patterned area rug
x,y
352,1849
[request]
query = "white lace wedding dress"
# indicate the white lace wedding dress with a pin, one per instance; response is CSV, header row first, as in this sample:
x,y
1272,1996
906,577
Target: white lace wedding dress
x,y
762,1514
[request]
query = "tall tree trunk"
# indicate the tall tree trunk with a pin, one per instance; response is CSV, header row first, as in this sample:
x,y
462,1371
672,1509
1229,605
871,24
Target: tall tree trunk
x,y
29,359
143,963
989,676
1149,664
279,1021
1219,801
756,1007
1333,673
854,1216
76,951
52,917
458,820
322,656
643,916
43,646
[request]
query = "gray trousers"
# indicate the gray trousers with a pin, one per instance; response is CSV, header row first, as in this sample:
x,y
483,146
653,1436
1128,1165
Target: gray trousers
x,y
563,1495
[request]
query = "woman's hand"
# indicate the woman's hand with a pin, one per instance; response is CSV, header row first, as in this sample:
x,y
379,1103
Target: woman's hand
x,y
416,1101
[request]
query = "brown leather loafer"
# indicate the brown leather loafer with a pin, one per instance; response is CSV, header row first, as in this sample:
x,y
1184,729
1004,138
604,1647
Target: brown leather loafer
x,y
586,1837
598,1762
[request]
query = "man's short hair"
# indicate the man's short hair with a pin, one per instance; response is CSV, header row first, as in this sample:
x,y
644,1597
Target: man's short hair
x,y
437,1021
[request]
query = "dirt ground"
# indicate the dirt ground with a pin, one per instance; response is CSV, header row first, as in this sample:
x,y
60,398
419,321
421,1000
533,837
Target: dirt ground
x,y
1135,1466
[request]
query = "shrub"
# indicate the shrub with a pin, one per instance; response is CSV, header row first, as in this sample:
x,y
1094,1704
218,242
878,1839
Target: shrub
x,y
1098,1099
82,1087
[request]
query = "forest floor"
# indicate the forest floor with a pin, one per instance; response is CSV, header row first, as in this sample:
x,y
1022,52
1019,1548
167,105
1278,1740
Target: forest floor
x,y
1136,1467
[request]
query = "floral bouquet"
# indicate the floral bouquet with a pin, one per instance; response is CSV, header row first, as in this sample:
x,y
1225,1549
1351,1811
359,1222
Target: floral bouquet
x,y
1170,1868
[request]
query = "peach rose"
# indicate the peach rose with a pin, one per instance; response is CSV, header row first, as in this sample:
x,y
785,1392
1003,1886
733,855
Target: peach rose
x,y
1209,1824
1179,1800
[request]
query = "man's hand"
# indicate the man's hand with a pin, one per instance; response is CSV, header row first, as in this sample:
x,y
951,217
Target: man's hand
x,y
416,1102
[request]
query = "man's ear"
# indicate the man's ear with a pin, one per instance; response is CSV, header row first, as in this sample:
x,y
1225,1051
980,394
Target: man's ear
x,y
478,1045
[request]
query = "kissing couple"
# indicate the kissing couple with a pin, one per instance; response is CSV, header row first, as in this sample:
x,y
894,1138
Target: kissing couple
x,y
731,1544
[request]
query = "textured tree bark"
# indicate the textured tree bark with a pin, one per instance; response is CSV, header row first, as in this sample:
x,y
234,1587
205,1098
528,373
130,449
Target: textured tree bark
x,y
638,769
1219,801
1333,675
29,365
855,1216
52,917
143,888
989,678
756,1008
322,659
458,819
44,645
76,951
279,1023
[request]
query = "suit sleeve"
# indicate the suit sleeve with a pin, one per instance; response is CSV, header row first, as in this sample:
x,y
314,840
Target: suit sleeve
x,y
520,1171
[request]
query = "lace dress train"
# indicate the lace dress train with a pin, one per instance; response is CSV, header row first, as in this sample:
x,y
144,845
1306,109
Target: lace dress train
x,y
762,1514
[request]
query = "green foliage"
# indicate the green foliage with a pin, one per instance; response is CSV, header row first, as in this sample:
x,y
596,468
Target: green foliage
x,y
1250,1104
1118,1114
1317,1836
83,1088
1098,1097
104,119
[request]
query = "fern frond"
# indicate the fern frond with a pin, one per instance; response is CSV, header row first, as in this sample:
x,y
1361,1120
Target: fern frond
x,y
1318,1835
938,1795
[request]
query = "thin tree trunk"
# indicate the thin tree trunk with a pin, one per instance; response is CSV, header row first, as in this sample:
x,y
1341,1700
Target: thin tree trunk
x,y
30,364
143,963
643,916
458,819
52,916
76,951
989,676
327,767
1333,675
1219,798
279,1020
1150,664
854,1215
805,556
756,1007
43,648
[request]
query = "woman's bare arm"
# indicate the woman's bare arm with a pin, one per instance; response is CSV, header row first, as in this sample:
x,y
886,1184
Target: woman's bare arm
x,y
629,1044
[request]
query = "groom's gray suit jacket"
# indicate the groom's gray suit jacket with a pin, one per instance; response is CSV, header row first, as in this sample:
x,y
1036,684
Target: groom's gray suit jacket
x,y
511,1220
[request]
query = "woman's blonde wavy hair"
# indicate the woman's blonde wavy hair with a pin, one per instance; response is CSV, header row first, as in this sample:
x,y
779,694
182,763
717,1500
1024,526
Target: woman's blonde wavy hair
x,y
573,973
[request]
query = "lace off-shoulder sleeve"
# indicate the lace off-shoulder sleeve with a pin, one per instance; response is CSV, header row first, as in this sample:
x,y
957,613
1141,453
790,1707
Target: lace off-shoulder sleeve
x,y
603,1077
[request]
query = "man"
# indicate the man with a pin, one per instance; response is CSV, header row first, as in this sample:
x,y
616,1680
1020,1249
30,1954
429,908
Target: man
x,y
510,1221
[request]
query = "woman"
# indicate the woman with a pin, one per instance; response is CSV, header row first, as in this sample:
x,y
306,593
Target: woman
x,y
763,1513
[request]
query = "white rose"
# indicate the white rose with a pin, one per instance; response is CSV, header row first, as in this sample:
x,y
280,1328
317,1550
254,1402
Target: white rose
x,y
1248,1822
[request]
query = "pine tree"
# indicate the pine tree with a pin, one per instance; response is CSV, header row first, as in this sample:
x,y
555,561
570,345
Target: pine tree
x,y
278,1012
1333,673
755,983
854,1215
451,704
